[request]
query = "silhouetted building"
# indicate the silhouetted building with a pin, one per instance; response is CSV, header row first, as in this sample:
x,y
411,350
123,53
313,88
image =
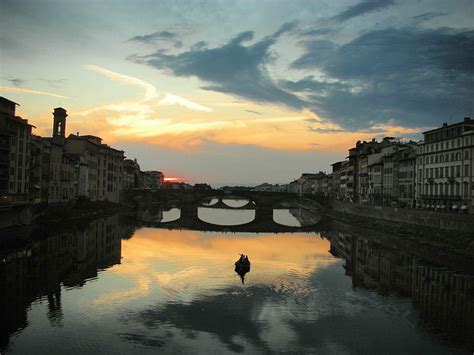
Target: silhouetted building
x,y
131,174
202,186
15,139
157,179
102,167
445,168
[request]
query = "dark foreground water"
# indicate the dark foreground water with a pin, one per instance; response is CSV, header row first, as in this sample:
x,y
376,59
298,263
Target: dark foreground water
x,y
111,287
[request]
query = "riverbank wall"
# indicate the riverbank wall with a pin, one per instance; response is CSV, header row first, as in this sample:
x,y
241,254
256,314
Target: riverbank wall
x,y
31,214
439,220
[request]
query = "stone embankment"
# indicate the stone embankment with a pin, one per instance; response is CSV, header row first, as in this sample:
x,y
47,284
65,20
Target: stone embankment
x,y
439,220
27,215
451,233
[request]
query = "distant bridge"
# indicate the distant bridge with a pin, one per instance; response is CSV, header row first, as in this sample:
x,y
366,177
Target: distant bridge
x,y
263,203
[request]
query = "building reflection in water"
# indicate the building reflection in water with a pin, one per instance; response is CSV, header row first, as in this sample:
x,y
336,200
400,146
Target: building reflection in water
x,y
44,261
444,298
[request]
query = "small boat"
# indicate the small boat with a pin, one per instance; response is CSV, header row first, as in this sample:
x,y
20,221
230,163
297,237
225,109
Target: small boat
x,y
242,266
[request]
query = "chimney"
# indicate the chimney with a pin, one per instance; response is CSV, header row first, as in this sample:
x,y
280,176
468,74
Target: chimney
x,y
467,119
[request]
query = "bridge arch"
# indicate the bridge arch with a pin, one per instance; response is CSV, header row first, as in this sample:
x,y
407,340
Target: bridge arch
x,y
226,216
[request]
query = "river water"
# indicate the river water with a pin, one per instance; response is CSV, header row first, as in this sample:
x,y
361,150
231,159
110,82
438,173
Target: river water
x,y
111,286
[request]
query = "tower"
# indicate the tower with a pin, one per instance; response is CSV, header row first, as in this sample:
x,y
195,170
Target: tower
x,y
59,122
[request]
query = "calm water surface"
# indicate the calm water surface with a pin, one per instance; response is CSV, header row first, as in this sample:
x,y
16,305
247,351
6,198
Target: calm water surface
x,y
111,287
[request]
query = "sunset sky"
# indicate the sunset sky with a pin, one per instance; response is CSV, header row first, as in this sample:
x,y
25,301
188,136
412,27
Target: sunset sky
x,y
239,92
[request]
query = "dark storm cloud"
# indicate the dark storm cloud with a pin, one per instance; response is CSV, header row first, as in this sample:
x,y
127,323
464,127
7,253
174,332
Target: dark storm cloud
x,y
312,86
317,31
155,37
55,83
234,68
254,112
18,82
410,75
428,16
362,8
15,81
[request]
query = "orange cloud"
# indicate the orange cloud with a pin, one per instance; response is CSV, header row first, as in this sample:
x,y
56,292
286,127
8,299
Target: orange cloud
x,y
178,123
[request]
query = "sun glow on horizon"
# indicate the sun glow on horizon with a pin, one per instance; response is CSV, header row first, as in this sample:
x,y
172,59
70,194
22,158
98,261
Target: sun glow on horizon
x,y
174,179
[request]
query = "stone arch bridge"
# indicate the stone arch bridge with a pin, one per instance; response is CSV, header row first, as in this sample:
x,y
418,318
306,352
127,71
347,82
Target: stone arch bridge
x,y
262,202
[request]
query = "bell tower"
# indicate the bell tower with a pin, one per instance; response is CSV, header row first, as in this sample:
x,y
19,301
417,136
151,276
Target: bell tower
x,y
59,122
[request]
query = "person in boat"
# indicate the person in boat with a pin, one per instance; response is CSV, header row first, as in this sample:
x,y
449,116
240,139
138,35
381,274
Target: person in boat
x,y
244,260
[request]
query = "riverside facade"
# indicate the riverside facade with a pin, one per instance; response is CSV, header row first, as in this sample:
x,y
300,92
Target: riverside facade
x,y
433,174
60,168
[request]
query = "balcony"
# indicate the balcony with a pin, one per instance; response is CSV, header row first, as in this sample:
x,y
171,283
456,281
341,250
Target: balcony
x,y
441,197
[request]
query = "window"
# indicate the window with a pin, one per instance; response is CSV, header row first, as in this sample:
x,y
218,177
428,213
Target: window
x,y
466,154
458,170
466,170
